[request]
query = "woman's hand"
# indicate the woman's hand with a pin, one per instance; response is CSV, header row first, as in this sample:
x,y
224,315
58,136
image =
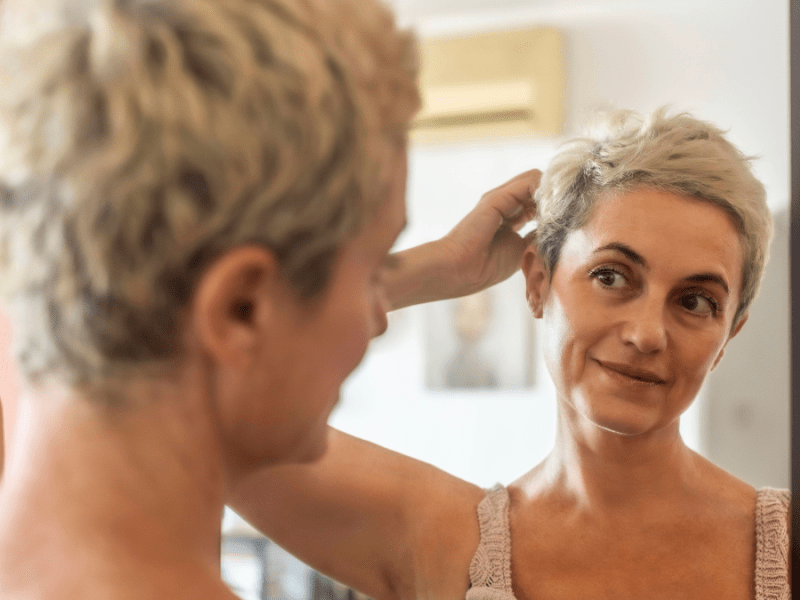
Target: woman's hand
x,y
483,249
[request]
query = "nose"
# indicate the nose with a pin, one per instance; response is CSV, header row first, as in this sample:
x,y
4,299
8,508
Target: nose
x,y
380,319
645,327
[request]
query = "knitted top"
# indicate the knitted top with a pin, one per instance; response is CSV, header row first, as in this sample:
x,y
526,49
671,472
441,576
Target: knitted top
x,y
490,570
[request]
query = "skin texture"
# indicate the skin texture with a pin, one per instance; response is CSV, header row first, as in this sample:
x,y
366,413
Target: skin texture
x,y
621,508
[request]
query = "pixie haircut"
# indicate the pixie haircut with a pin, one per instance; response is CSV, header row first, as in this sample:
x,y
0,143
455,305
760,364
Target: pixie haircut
x,y
141,139
672,153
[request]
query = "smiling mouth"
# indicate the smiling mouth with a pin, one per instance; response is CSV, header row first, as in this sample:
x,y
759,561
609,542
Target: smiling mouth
x,y
632,373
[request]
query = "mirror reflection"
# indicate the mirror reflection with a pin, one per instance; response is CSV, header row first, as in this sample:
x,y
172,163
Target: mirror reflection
x,y
568,375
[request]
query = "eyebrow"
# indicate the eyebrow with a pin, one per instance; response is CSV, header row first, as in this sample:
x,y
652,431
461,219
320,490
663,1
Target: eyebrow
x,y
638,259
710,277
634,256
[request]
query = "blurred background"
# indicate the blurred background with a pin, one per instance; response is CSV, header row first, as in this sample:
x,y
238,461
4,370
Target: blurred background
x,y
726,62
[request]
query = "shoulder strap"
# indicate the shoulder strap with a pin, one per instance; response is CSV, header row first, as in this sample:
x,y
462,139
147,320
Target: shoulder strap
x,y
772,545
491,565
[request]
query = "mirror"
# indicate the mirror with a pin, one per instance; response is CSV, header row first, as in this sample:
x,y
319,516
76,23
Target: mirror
x,y
725,63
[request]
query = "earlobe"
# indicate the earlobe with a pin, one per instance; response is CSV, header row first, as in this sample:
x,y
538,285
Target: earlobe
x,y
233,304
536,281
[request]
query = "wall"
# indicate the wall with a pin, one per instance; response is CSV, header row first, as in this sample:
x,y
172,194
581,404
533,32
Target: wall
x,y
726,62
746,415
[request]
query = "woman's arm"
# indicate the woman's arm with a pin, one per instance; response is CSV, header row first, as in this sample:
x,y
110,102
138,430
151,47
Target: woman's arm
x,y
482,250
378,521
383,523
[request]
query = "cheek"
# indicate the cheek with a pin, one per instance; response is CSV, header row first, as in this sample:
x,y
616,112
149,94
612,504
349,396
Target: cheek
x,y
570,328
698,356
561,341
357,325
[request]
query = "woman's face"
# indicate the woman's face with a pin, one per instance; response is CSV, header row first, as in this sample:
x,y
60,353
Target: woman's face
x,y
326,342
277,406
639,307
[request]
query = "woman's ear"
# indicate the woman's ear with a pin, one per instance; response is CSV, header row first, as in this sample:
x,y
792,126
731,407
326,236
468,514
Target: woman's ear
x,y
537,280
234,304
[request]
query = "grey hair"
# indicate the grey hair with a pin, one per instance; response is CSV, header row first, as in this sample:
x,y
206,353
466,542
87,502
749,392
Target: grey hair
x,y
141,139
675,153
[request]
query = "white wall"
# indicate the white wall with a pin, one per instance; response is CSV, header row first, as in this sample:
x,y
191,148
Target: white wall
x,y
724,61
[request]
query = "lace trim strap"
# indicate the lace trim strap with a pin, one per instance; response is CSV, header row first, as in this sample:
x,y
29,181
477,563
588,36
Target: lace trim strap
x,y
491,565
772,545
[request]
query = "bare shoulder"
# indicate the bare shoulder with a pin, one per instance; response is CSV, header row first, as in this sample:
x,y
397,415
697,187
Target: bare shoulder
x,y
723,489
85,569
445,533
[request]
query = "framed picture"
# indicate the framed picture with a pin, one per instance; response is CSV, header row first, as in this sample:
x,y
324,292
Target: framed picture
x,y
481,342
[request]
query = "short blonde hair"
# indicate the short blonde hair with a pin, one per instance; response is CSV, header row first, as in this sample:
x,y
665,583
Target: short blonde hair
x,y
141,139
674,153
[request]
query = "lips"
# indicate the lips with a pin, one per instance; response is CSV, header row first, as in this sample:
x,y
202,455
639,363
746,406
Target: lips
x,y
643,375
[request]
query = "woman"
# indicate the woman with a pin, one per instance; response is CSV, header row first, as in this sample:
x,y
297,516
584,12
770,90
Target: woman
x,y
198,202
651,242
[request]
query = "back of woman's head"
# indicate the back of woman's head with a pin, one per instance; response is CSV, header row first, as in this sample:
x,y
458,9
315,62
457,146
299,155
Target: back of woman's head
x,y
673,153
140,139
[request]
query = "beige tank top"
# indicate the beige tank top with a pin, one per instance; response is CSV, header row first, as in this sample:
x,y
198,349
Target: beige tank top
x,y
490,570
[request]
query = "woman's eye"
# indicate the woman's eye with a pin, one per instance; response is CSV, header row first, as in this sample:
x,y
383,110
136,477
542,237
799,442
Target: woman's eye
x,y
610,278
698,304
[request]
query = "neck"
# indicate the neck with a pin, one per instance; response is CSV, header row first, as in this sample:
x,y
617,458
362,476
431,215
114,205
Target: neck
x,y
128,478
603,469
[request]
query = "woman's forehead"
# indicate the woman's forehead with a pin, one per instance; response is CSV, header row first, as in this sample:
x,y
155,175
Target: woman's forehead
x,y
664,229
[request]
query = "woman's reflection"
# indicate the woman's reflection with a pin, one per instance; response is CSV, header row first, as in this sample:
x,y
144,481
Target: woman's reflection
x,y
651,243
